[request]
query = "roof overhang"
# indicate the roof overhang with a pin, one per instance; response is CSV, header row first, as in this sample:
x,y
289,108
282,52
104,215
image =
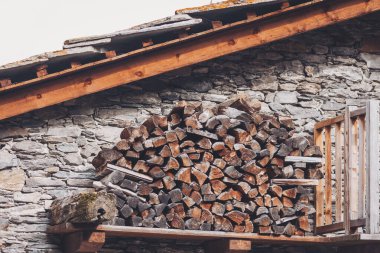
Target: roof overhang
x,y
157,59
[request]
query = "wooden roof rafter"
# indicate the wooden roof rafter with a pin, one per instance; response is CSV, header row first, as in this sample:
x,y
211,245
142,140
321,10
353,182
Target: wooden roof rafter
x,y
160,58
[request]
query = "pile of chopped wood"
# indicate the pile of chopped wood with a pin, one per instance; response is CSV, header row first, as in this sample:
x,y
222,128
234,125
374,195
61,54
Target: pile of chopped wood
x,y
211,169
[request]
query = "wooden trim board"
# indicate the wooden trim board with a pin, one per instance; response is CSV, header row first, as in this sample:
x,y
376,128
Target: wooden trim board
x,y
138,232
216,44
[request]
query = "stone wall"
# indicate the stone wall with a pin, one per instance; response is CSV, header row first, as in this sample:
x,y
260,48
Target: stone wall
x,y
46,154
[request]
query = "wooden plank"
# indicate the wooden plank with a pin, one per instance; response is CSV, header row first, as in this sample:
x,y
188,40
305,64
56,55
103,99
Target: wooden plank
x,y
328,177
338,172
228,246
137,232
329,122
354,156
358,112
361,166
347,165
372,163
174,55
131,173
303,159
339,226
318,141
280,181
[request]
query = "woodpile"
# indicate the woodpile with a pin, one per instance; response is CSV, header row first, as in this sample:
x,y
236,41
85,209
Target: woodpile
x,y
211,169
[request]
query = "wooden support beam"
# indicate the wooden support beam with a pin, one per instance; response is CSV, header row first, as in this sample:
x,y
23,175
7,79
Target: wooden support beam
x,y
338,171
216,24
251,15
372,164
328,177
228,246
84,242
339,226
147,42
155,60
318,141
41,70
75,64
347,171
183,34
5,82
110,54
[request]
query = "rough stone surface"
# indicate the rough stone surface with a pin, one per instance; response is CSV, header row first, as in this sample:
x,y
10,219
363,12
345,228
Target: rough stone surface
x,y
12,179
47,154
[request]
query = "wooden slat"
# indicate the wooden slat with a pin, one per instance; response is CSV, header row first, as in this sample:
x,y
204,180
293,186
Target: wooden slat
x,y
372,163
174,55
303,159
328,177
347,165
131,173
318,140
280,181
329,122
339,226
338,172
361,166
354,155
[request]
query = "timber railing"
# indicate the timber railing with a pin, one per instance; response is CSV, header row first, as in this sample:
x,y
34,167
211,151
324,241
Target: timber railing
x,y
350,200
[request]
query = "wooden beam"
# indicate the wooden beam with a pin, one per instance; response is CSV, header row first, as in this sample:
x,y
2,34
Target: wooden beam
x,y
75,64
110,54
328,177
170,56
84,242
290,182
338,171
347,166
318,141
329,122
228,246
372,164
42,70
5,82
147,42
216,24
303,159
338,226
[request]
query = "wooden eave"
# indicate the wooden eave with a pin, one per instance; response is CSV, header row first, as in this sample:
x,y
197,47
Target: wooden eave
x,y
90,78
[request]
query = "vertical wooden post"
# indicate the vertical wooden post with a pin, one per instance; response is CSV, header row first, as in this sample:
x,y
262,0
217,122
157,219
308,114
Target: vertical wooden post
x,y
328,177
361,167
354,170
347,165
372,195
318,141
338,172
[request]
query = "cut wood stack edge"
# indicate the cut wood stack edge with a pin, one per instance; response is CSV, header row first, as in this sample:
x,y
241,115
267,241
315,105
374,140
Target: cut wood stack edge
x,y
211,169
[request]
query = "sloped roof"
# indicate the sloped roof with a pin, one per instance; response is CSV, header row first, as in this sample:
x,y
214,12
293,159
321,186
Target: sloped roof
x,y
92,64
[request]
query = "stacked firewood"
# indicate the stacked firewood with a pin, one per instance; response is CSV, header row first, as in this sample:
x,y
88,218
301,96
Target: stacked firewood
x,y
210,169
